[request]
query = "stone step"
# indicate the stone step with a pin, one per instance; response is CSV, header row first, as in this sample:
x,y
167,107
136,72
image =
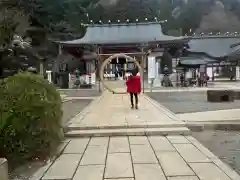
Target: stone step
x,y
128,132
76,126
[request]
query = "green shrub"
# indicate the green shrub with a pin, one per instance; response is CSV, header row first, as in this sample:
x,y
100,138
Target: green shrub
x,y
30,119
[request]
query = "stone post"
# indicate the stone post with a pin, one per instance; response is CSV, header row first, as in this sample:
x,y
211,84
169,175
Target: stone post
x,y
157,80
49,76
3,169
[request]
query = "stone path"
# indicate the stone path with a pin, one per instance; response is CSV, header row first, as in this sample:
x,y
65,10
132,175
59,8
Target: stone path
x,y
130,147
138,158
111,114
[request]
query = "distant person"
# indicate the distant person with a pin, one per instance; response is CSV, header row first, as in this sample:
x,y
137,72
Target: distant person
x,y
206,80
116,74
182,79
134,88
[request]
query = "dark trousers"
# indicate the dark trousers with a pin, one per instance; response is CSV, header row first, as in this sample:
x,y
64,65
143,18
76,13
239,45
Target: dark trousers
x,y
136,98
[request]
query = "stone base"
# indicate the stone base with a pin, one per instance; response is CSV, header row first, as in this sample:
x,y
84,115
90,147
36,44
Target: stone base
x,y
85,86
220,95
3,169
237,95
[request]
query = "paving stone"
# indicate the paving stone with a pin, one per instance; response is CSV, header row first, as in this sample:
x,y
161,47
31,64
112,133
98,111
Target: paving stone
x,y
178,139
167,131
161,143
120,179
148,172
173,164
190,153
138,140
183,178
118,144
143,154
119,165
63,168
76,146
94,155
90,172
98,141
208,171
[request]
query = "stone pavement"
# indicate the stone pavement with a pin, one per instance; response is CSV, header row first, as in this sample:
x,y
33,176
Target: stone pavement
x,y
138,158
130,147
111,114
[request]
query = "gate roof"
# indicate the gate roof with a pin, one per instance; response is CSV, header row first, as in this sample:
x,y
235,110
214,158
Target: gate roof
x,y
131,33
214,46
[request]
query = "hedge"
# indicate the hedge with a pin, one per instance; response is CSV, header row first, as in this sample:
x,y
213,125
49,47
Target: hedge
x,y
30,118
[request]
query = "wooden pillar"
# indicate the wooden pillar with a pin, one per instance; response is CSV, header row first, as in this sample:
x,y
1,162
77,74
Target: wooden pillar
x,y
143,59
99,63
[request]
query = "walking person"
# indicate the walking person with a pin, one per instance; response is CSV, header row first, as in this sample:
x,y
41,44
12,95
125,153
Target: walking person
x,y
134,88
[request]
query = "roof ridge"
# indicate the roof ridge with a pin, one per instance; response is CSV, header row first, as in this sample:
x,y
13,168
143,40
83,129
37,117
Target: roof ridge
x,y
214,37
124,24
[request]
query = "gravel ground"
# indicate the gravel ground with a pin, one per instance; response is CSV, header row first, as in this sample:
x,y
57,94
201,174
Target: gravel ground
x,y
80,92
224,144
187,102
72,108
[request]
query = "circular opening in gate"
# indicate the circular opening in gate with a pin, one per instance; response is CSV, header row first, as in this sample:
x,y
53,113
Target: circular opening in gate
x,y
112,59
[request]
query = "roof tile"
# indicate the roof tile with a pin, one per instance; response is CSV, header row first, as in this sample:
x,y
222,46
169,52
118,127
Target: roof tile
x,y
124,34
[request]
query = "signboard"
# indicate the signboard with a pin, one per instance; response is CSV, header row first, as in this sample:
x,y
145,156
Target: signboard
x,y
151,67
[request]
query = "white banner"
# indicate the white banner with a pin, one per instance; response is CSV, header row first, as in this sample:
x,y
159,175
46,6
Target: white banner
x,y
237,73
93,77
151,67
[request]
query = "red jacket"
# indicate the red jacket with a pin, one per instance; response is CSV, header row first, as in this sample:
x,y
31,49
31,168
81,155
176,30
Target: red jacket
x,y
134,84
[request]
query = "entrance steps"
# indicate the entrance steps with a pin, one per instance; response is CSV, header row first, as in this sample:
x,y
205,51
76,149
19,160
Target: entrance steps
x,y
134,130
